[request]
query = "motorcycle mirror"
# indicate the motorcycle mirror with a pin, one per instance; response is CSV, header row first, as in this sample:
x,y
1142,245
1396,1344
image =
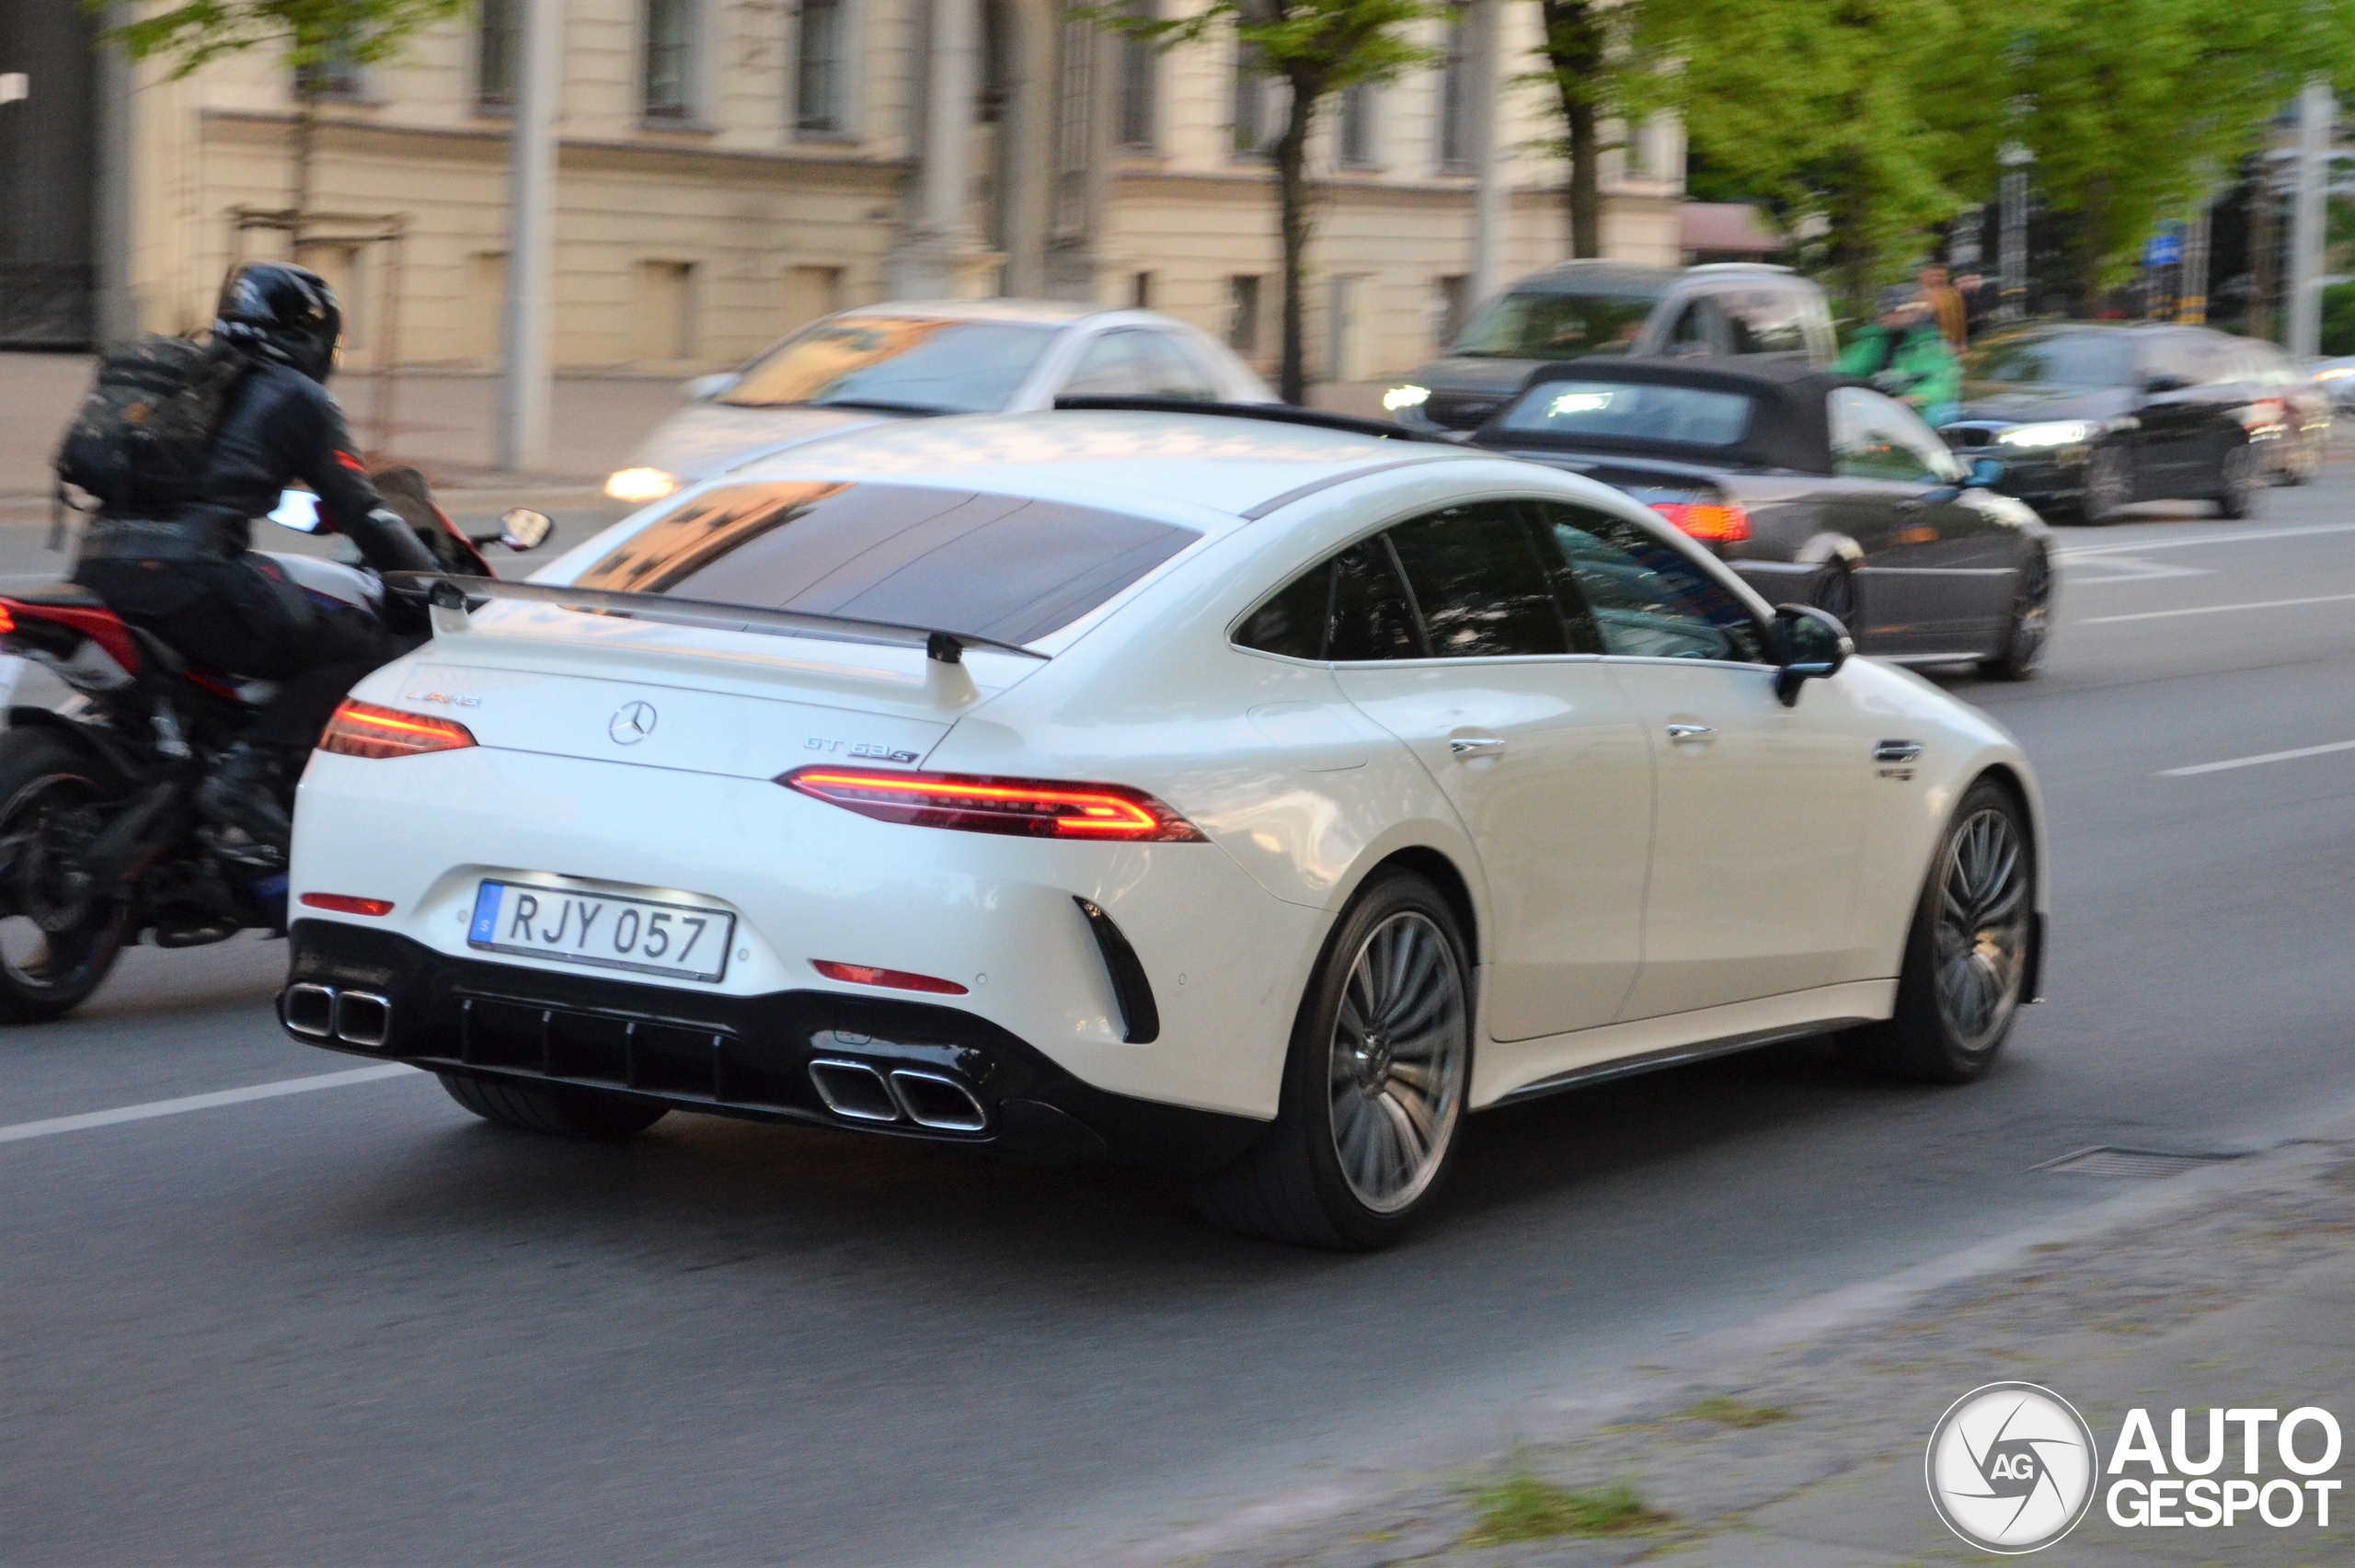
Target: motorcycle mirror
x,y
297,509
523,529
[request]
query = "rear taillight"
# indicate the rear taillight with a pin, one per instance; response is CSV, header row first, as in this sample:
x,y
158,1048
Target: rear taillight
x,y
7,621
1719,522
1038,808
363,729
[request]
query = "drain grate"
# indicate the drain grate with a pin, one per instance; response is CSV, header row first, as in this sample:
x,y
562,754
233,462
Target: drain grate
x,y
2145,1164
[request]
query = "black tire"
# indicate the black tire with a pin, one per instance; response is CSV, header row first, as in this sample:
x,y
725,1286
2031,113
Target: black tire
x,y
2110,484
58,941
1344,1166
1967,958
559,1110
2028,626
1834,593
2239,478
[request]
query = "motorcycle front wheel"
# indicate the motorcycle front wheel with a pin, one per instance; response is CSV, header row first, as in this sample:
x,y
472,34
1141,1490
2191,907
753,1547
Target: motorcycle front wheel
x,y
58,937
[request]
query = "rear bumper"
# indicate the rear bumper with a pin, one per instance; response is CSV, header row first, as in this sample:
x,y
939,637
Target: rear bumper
x,y
381,995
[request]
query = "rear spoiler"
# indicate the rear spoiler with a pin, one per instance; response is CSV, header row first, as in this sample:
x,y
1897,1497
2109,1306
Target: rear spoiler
x,y
461,595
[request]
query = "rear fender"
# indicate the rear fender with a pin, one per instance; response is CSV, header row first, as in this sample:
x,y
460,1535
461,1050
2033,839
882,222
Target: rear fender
x,y
116,766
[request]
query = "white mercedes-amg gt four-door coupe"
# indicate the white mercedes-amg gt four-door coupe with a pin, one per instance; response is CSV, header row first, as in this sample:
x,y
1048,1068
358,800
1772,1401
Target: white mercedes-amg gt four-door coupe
x,y
1249,798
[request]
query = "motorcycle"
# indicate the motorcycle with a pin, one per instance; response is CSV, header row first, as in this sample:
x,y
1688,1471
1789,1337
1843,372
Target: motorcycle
x,y
100,845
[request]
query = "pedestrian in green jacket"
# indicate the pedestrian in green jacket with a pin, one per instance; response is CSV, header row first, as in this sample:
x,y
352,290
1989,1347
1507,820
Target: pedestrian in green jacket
x,y
1905,355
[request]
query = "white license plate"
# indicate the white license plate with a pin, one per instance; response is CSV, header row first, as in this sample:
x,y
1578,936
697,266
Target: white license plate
x,y
682,941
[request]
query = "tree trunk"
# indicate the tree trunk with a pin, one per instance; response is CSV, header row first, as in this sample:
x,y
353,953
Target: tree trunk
x,y
1293,193
1573,52
1851,249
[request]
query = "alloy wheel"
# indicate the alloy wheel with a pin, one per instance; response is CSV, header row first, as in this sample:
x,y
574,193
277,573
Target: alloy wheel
x,y
2032,614
1983,928
2108,483
55,928
1396,1070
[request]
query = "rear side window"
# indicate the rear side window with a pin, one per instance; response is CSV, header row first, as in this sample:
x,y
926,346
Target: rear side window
x,y
1002,566
1648,599
1632,411
1478,580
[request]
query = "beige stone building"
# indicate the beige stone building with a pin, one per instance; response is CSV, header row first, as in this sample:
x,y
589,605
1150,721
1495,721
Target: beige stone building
x,y
730,169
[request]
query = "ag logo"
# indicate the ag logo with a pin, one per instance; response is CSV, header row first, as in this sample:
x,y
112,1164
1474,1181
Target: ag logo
x,y
2012,1468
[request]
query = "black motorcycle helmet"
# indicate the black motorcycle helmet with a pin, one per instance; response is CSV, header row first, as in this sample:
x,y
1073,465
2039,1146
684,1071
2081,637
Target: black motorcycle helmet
x,y
273,309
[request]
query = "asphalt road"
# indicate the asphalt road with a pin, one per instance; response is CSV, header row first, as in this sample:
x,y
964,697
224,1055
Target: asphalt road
x,y
358,1326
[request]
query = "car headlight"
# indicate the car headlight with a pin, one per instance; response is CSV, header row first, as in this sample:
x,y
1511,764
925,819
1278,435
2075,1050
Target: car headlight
x,y
641,484
2335,373
1408,397
2060,432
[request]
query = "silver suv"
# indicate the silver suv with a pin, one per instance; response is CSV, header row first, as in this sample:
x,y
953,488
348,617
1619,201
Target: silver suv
x,y
1737,310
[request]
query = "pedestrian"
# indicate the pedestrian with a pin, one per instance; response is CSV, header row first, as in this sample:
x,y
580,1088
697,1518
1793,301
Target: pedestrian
x,y
1905,355
1947,307
1978,304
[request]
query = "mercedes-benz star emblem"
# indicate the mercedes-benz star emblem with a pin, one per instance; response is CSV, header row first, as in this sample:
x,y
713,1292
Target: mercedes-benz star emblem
x,y
633,724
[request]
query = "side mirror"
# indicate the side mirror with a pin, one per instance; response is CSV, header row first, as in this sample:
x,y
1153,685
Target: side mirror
x,y
523,529
1809,644
704,388
297,509
1986,473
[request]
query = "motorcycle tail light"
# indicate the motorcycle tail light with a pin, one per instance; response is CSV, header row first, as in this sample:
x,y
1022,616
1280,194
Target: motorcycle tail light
x,y
363,729
1720,522
1038,808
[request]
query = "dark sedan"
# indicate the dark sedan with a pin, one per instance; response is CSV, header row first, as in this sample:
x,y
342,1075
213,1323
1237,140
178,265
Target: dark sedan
x,y
1813,489
2088,417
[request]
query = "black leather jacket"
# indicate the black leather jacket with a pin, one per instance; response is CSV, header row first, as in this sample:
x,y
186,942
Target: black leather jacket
x,y
280,425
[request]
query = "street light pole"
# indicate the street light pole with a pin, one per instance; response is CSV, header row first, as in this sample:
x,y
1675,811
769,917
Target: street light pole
x,y
522,440
2318,118
2013,258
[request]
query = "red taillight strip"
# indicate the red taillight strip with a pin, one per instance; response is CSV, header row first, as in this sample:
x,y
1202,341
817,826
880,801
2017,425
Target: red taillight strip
x,y
898,979
345,904
1718,521
1045,808
363,729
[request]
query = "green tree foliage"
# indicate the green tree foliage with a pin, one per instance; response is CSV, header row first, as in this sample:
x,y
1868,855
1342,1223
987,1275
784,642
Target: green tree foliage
x,y
1316,47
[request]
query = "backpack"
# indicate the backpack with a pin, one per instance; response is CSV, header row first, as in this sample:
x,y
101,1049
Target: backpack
x,y
144,437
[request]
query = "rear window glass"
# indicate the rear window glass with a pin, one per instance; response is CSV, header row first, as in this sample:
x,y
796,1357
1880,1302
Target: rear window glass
x,y
902,363
1556,327
1686,416
1000,567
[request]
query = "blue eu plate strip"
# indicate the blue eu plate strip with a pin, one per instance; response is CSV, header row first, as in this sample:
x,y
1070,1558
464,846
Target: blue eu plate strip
x,y
486,926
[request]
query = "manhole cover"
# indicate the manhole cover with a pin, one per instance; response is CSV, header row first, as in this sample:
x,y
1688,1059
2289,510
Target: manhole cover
x,y
2144,1163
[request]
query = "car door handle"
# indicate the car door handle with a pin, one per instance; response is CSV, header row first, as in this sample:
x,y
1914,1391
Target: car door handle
x,y
1679,733
1897,751
1469,746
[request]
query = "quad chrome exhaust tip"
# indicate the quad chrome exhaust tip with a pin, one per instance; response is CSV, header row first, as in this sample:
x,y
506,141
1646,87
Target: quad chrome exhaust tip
x,y
313,1012
861,1092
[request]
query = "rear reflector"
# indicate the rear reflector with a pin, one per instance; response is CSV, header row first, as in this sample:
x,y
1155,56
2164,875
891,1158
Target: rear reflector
x,y
1038,808
345,904
1720,523
363,729
898,979
7,621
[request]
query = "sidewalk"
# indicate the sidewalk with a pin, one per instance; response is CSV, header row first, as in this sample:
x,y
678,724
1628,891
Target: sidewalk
x,y
2233,1286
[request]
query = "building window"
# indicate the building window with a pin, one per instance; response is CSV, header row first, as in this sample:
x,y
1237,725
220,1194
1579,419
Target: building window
x,y
1357,126
1262,102
498,43
335,79
1454,307
1455,94
1242,313
1140,290
1140,77
819,64
669,59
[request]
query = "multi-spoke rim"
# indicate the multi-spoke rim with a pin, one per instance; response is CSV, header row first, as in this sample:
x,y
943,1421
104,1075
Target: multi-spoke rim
x,y
2106,482
1398,1055
1983,928
2239,471
72,934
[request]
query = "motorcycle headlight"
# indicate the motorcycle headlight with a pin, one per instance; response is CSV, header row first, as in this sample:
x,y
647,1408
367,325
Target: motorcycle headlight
x,y
639,486
1408,397
2060,432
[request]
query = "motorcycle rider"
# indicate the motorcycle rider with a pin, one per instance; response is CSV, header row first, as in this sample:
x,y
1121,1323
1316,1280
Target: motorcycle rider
x,y
192,578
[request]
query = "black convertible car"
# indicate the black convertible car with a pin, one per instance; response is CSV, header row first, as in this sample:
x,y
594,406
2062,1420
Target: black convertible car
x,y
1814,489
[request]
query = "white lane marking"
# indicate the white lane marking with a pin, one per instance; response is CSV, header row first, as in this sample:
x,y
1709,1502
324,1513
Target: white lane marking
x,y
200,1101
2126,568
2215,610
2258,761
2136,547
